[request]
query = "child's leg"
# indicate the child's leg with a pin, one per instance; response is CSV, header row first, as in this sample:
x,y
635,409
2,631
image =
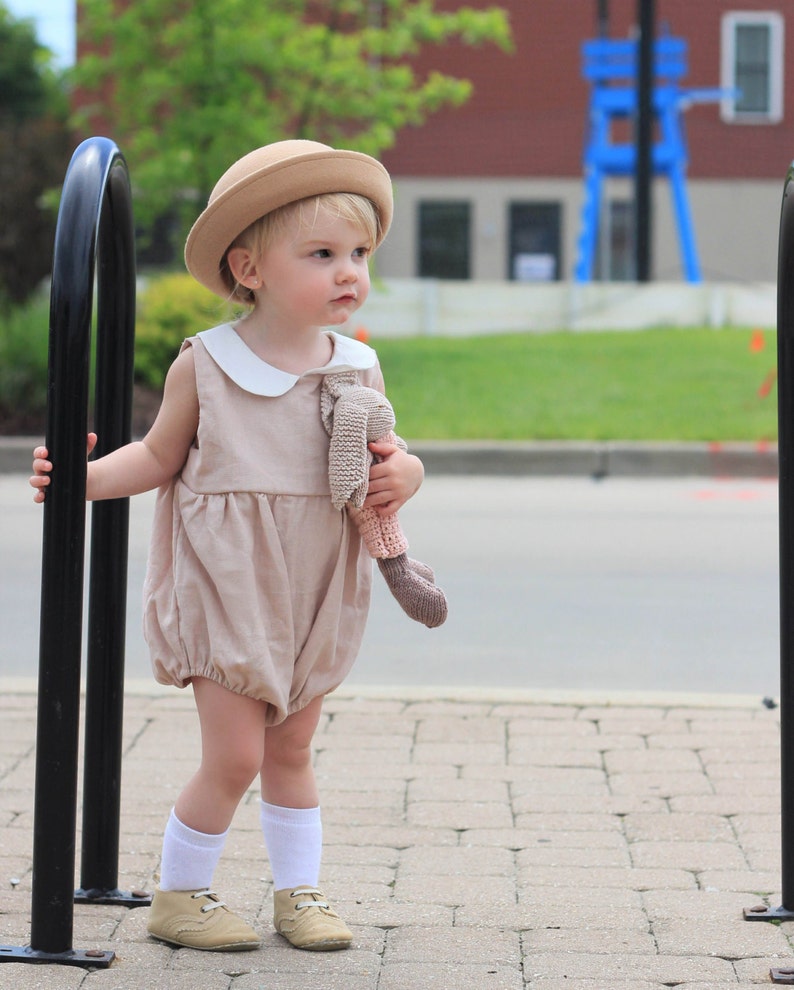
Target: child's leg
x,y
232,745
290,812
232,748
292,827
287,772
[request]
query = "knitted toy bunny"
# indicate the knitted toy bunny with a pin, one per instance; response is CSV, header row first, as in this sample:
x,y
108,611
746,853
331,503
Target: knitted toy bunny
x,y
354,416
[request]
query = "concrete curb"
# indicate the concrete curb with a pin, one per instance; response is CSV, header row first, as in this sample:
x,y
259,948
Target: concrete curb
x,y
468,694
597,459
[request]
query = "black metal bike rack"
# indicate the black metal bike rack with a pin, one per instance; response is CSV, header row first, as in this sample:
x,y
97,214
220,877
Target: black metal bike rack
x,y
94,238
785,359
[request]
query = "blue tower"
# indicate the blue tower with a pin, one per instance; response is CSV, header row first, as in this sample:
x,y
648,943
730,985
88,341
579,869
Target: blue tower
x,y
611,69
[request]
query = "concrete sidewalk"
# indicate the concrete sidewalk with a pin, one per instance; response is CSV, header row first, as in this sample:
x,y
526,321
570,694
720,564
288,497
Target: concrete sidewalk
x,y
490,841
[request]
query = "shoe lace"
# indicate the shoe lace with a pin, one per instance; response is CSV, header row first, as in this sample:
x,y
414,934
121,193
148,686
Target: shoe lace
x,y
315,898
215,901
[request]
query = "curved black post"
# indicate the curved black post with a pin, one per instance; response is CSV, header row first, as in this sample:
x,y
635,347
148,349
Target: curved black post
x,y
62,556
785,343
785,357
94,222
109,545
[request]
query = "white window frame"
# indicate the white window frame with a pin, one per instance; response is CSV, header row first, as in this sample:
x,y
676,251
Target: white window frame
x,y
741,18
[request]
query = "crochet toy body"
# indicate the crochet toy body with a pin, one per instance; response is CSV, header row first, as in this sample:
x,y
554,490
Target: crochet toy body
x,y
355,416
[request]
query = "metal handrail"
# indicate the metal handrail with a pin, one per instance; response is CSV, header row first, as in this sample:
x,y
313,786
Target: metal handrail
x,y
94,237
785,357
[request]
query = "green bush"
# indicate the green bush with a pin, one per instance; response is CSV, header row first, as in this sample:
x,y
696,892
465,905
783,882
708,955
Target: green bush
x,y
170,309
24,342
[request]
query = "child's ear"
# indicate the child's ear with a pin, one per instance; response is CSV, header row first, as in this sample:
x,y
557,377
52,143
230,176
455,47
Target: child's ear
x,y
242,265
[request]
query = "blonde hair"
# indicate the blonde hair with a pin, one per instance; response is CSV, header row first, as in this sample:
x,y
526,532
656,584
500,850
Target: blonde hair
x,y
261,234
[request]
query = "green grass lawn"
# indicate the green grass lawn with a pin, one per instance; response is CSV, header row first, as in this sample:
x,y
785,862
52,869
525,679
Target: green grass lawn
x,y
666,384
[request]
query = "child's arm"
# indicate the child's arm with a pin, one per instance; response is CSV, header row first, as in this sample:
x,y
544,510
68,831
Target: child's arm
x,y
145,464
392,480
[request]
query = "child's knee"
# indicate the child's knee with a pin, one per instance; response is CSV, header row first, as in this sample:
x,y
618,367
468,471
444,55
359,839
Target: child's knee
x,y
289,753
288,746
236,770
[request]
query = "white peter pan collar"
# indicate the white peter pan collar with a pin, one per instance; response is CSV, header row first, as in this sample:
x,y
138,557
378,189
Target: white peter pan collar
x,y
236,359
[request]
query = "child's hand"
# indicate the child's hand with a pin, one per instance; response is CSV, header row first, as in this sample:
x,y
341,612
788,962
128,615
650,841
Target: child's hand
x,y
42,467
393,479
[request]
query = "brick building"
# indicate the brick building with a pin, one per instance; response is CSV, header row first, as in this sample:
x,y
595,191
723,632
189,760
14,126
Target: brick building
x,y
501,177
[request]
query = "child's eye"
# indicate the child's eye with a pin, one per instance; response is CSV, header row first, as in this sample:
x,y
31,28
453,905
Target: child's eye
x,y
322,253
362,252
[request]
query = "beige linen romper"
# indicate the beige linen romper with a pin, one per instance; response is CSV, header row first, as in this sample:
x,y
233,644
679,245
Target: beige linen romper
x,y
254,579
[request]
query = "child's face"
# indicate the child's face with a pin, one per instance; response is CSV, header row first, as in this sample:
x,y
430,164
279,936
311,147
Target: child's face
x,y
317,275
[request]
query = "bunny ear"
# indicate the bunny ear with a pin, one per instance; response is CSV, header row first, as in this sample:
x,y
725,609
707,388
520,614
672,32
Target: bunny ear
x,y
339,382
327,402
348,455
332,388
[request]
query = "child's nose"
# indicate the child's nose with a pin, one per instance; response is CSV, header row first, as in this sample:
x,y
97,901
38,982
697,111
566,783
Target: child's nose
x,y
347,272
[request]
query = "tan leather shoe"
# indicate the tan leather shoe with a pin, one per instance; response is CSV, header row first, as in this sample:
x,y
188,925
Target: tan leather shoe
x,y
304,917
198,919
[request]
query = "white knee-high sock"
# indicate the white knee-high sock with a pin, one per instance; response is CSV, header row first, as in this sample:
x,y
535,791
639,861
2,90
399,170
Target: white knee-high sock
x,y
294,841
189,857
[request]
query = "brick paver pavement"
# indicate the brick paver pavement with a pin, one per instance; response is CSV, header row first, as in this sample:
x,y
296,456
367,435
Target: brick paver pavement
x,y
491,843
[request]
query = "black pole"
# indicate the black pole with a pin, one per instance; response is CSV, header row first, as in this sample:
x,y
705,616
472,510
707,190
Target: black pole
x,y
62,571
602,18
644,141
96,171
785,394
785,342
109,553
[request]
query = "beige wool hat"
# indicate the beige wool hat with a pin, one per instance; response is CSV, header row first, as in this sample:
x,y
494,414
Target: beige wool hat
x,y
268,178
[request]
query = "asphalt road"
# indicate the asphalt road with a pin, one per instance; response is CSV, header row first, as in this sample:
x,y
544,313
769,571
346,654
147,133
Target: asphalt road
x,y
554,583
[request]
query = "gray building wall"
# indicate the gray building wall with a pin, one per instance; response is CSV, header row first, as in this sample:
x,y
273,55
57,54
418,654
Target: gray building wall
x,y
735,222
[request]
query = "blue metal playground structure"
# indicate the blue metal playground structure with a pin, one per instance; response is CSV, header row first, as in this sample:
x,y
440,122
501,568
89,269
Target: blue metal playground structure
x,y
610,66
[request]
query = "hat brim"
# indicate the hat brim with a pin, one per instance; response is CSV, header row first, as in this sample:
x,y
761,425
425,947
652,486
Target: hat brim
x,y
273,184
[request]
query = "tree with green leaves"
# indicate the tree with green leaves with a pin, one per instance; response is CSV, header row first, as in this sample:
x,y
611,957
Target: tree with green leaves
x,y
186,89
33,156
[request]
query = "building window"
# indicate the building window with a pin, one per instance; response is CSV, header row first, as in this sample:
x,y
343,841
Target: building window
x,y
444,239
752,64
535,242
615,259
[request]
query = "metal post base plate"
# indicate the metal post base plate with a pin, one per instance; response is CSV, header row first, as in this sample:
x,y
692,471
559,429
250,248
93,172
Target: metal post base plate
x,y
782,976
74,957
124,898
764,913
